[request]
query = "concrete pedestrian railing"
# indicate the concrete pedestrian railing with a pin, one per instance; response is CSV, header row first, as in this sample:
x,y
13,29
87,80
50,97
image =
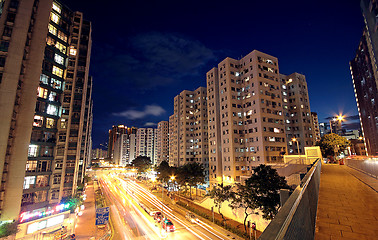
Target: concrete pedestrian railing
x,y
296,218
368,165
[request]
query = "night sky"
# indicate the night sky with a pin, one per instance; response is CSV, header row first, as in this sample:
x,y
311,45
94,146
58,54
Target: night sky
x,y
146,52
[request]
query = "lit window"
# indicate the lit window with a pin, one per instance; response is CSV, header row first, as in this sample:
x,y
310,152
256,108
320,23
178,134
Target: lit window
x,y
52,29
50,123
276,130
52,96
63,123
272,139
54,17
28,181
61,47
62,36
33,150
38,121
57,71
50,41
56,83
56,7
58,59
44,79
73,51
52,109
42,92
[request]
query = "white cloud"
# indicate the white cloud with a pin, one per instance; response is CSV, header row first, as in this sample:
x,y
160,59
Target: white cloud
x,y
150,124
153,110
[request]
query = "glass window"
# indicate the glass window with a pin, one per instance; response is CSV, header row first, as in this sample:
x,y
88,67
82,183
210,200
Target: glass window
x,y
56,83
31,166
44,79
50,123
72,51
62,36
52,29
61,47
38,121
42,181
52,109
63,123
54,17
57,71
29,181
50,41
42,92
59,59
53,96
33,150
56,7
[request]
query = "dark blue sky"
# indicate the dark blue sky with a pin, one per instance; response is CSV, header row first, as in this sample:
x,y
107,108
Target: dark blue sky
x,y
146,52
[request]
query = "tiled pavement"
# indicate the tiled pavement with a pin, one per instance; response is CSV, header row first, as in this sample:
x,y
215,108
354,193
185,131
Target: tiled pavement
x,y
348,204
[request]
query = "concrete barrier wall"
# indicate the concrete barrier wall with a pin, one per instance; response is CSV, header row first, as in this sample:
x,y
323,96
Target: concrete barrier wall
x,y
296,219
368,166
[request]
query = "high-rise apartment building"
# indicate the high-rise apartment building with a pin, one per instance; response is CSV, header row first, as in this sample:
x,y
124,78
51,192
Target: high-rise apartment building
x,y
146,143
364,72
45,103
315,126
114,133
125,149
188,139
246,120
99,153
162,146
296,109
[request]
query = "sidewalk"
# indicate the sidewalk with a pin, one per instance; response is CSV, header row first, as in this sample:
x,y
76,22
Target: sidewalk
x,y
347,206
85,227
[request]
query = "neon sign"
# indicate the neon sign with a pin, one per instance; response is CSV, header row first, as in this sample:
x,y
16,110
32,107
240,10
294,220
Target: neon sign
x,y
25,216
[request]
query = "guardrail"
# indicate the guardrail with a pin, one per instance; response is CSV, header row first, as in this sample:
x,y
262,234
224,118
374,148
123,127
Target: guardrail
x,y
296,218
368,166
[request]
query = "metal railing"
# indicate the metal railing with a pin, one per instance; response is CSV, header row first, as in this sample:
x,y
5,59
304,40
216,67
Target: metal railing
x,y
296,219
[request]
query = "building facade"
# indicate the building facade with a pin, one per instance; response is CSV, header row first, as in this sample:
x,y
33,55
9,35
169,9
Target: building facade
x,y
44,101
246,121
146,143
298,119
188,139
162,142
125,149
315,126
365,75
99,153
253,113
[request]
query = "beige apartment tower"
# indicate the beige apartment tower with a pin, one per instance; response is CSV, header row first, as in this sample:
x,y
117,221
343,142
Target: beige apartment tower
x,y
188,139
146,143
246,120
45,104
162,146
298,118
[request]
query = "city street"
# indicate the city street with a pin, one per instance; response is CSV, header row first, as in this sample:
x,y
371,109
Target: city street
x,y
132,222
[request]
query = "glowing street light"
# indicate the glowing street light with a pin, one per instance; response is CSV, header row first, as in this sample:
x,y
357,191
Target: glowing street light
x,y
295,140
340,118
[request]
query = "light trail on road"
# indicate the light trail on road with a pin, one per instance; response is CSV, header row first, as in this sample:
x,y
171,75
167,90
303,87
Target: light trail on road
x,y
133,222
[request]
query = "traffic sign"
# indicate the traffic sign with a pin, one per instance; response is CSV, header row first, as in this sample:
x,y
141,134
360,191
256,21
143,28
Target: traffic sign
x,y
102,216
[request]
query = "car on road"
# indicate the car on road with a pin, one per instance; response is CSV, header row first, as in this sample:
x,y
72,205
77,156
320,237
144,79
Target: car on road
x,y
168,225
158,217
191,217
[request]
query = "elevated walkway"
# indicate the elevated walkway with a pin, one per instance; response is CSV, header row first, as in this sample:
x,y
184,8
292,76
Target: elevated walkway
x,y
348,204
